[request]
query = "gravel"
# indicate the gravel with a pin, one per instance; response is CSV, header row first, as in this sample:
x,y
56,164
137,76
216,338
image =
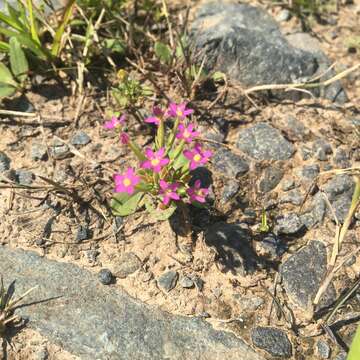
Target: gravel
x,y
167,281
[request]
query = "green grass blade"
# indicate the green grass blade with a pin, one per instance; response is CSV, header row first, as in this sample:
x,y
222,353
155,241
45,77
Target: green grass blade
x,y
33,27
56,47
15,16
9,21
18,62
4,47
354,353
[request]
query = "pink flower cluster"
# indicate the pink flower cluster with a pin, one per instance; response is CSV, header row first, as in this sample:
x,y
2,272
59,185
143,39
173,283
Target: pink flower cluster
x,y
156,165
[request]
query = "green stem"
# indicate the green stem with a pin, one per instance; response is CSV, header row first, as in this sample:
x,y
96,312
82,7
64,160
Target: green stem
x,y
136,150
160,135
173,134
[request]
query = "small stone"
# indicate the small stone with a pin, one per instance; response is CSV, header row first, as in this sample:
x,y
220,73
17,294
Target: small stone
x,y
295,130
199,283
272,176
231,188
323,349
294,197
4,162
186,282
323,145
59,150
272,340
288,224
320,155
24,177
167,281
229,163
83,233
263,142
38,152
341,158
81,138
288,184
127,265
248,304
105,276
316,214
303,273
309,172
270,247
284,15
92,255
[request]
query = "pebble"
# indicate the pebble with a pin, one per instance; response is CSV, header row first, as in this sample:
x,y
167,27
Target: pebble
x,y
248,304
186,282
24,177
4,162
270,247
229,164
81,138
294,197
92,255
295,129
323,145
263,142
306,153
271,178
309,172
272,340
105,276
167,281
83,233
38,152
59,150
323,349
341,158
284,15
199,283
127,265
316,214
230,189
288,224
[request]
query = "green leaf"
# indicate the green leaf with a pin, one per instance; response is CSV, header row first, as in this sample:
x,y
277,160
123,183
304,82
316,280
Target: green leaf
x,y
6,76
218,76
6,90
15,16
161,215
180,162
18,62
9,21
354,353
122,204
4,47
163,52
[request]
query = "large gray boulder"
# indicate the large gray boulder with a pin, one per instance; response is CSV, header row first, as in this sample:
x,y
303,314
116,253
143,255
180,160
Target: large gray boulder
x,y
90,320
246,43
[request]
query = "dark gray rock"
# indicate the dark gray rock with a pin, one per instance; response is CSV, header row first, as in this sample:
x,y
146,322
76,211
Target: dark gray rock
x,y
272,176
230,190
59,150
320,155
186,282
4,162
38,151
83,233
225,32
309,172
102,322
272,340
323,349
229,164
105,276
127,265
24,177
339,191
167,281
233,246
294,197
263,142
81,138
341,158
295,129
302,274
270,247
316,213
321,144
288,224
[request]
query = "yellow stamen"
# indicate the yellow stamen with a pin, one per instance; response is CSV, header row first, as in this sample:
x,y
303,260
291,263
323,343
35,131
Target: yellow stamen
x,y
155,162
197,157
126,182
179,113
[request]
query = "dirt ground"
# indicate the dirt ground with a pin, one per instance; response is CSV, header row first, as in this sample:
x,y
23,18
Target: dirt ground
x,y
26,212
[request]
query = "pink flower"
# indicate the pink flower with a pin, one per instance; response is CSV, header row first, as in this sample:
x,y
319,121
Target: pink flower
x,y
155,160
124,138
156,117
126,182
114,122
197,156
168,191
187,133
197,193
180,111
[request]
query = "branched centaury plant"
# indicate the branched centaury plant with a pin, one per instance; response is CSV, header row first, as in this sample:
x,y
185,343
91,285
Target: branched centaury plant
x,y
7,307
162,180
